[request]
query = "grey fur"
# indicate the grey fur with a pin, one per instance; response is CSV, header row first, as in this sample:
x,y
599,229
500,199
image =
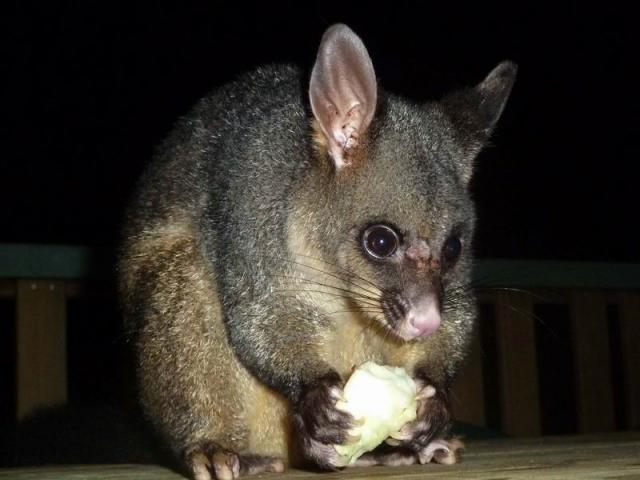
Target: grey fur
x,y
212,291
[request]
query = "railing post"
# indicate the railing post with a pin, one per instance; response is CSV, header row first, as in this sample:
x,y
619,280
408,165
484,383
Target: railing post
x,y
592,359
517,360
41,345
467,395
629,305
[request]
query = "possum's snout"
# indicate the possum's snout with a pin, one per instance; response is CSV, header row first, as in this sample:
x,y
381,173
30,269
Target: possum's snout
x,y
423,318
412,319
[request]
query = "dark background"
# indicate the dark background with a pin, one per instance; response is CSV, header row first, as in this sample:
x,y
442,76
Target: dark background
x,y
90,87
93,86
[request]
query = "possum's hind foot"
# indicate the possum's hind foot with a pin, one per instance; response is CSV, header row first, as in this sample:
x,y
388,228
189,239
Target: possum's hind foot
x,y
442,451
210,461
386,457
439,450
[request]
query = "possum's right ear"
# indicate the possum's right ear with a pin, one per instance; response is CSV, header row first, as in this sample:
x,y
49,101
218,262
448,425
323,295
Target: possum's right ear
x,y
475,111
342,91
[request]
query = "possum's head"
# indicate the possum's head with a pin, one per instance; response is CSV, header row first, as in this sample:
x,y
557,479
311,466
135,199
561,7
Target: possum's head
x,y
397,219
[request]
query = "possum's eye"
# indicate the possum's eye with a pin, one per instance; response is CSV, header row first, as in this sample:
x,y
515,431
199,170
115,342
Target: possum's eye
x,y
451,250
380,241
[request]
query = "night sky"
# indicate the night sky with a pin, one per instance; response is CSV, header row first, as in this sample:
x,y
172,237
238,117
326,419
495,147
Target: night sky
x,y
92,86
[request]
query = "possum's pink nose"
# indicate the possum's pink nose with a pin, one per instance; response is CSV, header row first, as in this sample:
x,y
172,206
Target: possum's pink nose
x,y
424,318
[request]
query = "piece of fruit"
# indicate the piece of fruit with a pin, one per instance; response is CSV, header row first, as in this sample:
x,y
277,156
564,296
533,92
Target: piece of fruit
x,y
382,399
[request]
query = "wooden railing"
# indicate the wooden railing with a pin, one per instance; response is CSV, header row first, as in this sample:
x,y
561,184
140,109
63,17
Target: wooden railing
x,y
512,291
43,278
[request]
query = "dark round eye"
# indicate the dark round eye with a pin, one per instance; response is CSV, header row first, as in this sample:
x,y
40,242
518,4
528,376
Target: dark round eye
x,y
380,241
451,250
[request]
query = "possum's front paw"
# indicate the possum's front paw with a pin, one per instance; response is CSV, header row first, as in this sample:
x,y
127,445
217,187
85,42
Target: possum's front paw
x,y
320,425
433,420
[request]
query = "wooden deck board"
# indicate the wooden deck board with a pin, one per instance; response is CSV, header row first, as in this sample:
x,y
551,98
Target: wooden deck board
x,y
613,456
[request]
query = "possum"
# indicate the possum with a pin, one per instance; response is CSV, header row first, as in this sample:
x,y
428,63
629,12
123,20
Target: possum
x,y
292,226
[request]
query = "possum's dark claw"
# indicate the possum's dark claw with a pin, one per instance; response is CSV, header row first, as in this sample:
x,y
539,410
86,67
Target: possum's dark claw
x,y
433,418
320,425
210,461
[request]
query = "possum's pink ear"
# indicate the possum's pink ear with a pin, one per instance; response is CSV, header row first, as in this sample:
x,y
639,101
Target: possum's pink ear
x,y
342,91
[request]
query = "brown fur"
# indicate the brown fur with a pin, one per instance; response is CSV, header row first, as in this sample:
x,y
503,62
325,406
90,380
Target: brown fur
x,y
185,355
244,276
182,344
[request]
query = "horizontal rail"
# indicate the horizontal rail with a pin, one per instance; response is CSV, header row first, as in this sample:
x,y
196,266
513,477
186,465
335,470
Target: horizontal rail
x,y
556,274
68,262
63,262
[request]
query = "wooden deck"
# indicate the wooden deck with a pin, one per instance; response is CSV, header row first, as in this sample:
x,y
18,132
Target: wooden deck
x,y
585,457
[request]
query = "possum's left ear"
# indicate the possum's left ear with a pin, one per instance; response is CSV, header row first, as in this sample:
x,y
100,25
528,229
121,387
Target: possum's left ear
x,y
475,111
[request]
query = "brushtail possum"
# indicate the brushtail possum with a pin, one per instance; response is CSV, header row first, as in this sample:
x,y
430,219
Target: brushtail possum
x,y
289,230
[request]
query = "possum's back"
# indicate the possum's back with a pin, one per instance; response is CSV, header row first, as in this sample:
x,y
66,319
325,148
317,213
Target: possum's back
x,y
244,140
218,184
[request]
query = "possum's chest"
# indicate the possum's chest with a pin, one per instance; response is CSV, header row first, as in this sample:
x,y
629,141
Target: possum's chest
x,y
351,341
